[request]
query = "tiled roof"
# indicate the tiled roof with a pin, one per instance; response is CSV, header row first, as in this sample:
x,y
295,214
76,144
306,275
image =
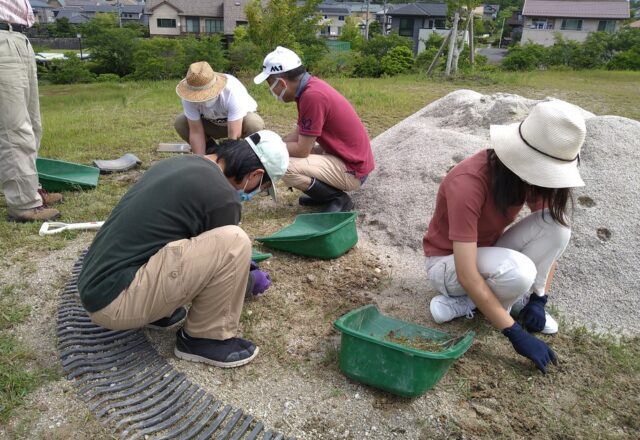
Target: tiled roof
x,y
577,8
421,9
207,8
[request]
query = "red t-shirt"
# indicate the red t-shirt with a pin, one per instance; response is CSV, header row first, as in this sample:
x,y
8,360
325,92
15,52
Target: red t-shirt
x,y
327,115
465,209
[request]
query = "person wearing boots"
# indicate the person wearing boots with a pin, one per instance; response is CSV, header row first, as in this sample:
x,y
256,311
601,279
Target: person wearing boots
x,y
165,245
474,261
215,106
20,125
343,159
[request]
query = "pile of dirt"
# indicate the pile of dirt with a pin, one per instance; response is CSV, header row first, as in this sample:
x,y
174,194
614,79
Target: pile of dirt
x,y
595,286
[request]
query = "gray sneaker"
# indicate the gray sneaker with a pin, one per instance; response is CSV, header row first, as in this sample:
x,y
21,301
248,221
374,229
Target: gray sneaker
x,y
446,308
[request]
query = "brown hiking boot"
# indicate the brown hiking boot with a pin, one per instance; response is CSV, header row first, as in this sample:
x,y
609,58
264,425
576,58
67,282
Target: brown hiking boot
x,y
39,214
48,198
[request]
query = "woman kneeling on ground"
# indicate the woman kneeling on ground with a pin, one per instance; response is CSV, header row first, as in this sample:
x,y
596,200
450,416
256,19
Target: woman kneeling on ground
x,y
472,261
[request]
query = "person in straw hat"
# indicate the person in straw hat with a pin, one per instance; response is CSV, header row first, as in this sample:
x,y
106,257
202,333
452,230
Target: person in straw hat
x,y
215,106
165,245
473,260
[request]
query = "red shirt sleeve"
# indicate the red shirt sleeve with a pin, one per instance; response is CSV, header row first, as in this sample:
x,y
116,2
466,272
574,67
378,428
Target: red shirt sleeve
x,y
465,198
311,113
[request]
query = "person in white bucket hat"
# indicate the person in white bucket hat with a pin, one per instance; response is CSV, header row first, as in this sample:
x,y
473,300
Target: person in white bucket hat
x,y
343,158
476,257
174,239
215,106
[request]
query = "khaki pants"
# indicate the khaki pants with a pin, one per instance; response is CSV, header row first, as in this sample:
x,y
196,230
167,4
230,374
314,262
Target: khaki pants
x,y
329,169
20,126
251,123
210,271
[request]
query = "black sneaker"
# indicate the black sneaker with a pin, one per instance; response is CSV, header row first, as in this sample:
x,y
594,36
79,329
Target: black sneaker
x,y
169,322
226,354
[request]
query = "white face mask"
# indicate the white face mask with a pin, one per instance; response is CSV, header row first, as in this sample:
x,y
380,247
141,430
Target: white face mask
x,y
278,97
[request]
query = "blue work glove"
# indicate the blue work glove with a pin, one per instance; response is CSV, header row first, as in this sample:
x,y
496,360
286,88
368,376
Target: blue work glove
x,y
532,315
531,347
261,281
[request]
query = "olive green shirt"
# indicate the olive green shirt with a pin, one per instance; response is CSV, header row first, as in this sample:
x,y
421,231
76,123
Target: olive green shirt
x,y
177,198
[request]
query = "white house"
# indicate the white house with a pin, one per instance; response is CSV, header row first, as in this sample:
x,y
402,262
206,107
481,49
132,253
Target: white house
x,y
572,19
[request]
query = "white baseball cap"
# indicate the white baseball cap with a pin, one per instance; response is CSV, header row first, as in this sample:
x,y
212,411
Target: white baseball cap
x,y
279,61
272,152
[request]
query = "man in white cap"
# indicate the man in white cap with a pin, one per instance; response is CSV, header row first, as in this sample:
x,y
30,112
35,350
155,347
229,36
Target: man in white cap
x,y
20,126
215,106
344,158
165,245
477,256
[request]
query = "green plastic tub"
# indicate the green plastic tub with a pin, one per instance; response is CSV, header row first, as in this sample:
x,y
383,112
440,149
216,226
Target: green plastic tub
x,y
58,175
258,256
379,351
320,235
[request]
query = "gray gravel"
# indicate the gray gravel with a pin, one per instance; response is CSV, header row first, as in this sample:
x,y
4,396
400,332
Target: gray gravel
x,y
596,284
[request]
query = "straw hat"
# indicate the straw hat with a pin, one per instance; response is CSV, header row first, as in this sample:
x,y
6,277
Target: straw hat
x,y
544,149
201,83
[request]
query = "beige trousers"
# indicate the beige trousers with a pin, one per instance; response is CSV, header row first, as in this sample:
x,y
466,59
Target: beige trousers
x,y
251,123
324,167
20,126
210,271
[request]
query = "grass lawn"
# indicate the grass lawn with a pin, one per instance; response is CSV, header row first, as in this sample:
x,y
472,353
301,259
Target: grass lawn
x,y
104,121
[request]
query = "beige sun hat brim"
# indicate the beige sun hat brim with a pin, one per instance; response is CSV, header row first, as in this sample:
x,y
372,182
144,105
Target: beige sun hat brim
x,y
528,164
188,94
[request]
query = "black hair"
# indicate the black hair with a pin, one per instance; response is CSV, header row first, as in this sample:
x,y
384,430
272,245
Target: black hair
x,y
510,190
294,74
240,159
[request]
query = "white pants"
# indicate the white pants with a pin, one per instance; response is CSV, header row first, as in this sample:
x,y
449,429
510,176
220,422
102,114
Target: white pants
x,y
517,265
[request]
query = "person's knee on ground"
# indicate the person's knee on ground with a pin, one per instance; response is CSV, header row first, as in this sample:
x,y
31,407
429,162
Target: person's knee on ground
x,y
252,123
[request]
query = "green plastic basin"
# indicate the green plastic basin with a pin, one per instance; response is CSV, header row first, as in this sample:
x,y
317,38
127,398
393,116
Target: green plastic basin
x,y
320,235
58,175
370,356
258,256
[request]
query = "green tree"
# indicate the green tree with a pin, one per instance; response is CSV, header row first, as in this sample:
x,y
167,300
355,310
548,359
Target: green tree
x,y
111,47
397,60
70,70
379,45
159,58
375,28
351,33
207,49
62,28
285,23
244,55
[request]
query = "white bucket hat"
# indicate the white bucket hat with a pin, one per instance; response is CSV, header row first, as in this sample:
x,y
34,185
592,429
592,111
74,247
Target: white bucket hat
x,y
279,61
273,153
544,149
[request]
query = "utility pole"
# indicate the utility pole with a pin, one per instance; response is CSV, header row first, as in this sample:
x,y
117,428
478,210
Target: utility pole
x,y
501,31
366,24
119,12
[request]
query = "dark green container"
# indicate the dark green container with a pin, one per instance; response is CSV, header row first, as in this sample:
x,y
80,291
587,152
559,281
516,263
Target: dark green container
x,y
258,256
58,175
366,354
323,235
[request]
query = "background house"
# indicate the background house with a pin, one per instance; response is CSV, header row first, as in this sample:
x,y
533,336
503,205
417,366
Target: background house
x,y
79,11
42,11
572,19
487,12
364,13
418,20
195,17
333,18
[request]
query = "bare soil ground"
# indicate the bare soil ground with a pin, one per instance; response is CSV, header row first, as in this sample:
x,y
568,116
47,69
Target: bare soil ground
x,y
295,384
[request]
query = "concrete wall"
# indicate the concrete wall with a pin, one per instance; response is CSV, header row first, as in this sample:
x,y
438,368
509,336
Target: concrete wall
x,y
546,37
164,11
424,34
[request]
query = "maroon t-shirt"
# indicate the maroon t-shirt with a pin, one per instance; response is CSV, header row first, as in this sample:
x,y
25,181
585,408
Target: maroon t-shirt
x,y
327,115
465,209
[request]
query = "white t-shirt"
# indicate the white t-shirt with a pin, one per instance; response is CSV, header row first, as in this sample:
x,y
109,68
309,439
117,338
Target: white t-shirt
x,y
233,103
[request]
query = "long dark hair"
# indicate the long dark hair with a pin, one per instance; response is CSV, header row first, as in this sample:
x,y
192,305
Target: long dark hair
x,y
240,159
510,190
